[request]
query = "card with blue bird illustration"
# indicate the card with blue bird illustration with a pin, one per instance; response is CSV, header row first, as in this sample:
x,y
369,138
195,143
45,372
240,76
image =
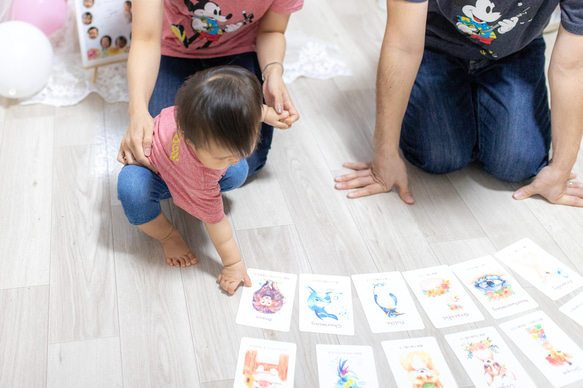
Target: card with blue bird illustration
x,y
387,303
346,366
325,304
494,287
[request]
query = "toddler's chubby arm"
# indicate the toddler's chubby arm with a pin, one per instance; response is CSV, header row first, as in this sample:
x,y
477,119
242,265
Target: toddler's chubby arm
x,y
234,269
271,117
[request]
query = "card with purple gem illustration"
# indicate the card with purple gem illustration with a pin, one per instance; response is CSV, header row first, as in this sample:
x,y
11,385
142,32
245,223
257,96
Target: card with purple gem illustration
x,y
346,366
494,287
442,296
539,268
547,346
268,303
325,304
488,360
387,303
264,363
418,362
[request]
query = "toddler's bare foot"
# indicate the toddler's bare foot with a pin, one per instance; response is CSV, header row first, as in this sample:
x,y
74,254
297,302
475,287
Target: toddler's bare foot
x,y
176,251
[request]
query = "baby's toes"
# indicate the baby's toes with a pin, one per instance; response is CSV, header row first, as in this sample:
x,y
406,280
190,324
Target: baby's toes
x,y
192,258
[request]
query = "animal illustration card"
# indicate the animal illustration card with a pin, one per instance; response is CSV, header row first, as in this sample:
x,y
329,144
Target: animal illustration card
x,y
264,363
540,269
488,360
418,362
268,303
547,346
346,366
325,304
442,296
387,303
574,309
494,287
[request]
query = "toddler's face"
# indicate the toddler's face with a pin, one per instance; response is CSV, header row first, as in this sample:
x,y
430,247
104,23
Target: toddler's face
x,y
93,33
87,19
88,3
215,157
105,43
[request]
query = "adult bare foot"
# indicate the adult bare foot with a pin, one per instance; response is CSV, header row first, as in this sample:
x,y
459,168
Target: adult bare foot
x,y
176,251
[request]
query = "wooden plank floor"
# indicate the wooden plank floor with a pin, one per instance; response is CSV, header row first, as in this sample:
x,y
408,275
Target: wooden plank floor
x,y
86,300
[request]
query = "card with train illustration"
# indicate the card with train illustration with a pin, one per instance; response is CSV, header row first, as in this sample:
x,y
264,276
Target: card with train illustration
x,y
264,363
325,304
442,296
418,362
268,303
488,360
547,346
539,268
346,366
574,309
387,303
494,287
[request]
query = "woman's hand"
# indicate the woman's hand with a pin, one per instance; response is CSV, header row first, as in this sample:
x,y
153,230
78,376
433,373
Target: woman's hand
x,y
136,144
276,94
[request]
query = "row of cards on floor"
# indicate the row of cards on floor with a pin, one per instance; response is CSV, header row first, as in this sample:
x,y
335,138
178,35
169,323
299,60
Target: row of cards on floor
x,y
419,362
325,302
326,307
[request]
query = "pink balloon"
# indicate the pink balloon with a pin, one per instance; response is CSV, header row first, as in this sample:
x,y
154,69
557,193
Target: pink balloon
x,y
47,15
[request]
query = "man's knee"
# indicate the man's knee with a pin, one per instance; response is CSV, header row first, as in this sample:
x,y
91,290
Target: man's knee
x,y
519,166
443,162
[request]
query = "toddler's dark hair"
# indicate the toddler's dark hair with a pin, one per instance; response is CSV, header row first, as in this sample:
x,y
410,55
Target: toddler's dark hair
x,y
221,106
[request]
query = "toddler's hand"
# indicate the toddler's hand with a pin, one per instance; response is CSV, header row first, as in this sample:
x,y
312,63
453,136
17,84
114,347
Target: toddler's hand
x,y
271,117
232,275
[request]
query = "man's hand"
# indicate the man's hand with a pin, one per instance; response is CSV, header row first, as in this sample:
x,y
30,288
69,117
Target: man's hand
x,y
232,275
555,187
379,176
136,144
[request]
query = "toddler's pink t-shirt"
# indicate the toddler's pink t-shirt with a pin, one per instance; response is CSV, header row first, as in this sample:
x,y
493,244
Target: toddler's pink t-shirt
x,y
193,186
211,29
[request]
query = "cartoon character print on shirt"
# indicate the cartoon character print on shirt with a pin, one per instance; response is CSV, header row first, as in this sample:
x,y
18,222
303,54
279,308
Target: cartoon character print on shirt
x,y
208,23
481,22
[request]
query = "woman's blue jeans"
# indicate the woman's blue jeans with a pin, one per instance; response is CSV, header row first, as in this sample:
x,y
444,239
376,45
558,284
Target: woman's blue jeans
x,y
495,112
139,190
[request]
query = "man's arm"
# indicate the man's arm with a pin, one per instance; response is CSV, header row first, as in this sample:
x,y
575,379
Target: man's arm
x,y
555,182
234,269
401,54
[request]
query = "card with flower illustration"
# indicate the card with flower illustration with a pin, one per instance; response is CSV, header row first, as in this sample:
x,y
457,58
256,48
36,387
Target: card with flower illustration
x,y
540,269
387,303
346,366
442,296
268,303
574,309
325,304
494,287
418,362
488,360
264,363
547,346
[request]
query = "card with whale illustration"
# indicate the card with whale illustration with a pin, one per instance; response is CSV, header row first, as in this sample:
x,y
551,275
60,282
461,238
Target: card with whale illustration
x,y
325,304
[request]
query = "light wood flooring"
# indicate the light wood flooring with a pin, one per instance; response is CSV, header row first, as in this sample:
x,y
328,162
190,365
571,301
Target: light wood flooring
x,y
86,300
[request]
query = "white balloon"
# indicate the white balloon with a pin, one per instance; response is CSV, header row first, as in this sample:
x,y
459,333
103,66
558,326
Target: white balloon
x,y
27,58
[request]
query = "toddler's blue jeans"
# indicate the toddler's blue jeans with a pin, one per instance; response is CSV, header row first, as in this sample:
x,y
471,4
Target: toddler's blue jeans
x,y
139,190
495,112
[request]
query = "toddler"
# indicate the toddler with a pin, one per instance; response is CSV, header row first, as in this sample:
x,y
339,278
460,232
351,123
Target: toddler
x,y
215,122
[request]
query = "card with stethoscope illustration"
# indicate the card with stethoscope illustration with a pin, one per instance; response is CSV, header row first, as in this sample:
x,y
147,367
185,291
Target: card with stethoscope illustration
x,y
387,303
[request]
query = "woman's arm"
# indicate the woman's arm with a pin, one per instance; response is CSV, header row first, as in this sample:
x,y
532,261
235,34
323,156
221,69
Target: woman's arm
x,y
270,53
234,269
143,66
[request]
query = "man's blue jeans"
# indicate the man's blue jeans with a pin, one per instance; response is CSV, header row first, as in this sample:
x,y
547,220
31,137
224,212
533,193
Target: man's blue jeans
x,y
139,190
493,112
